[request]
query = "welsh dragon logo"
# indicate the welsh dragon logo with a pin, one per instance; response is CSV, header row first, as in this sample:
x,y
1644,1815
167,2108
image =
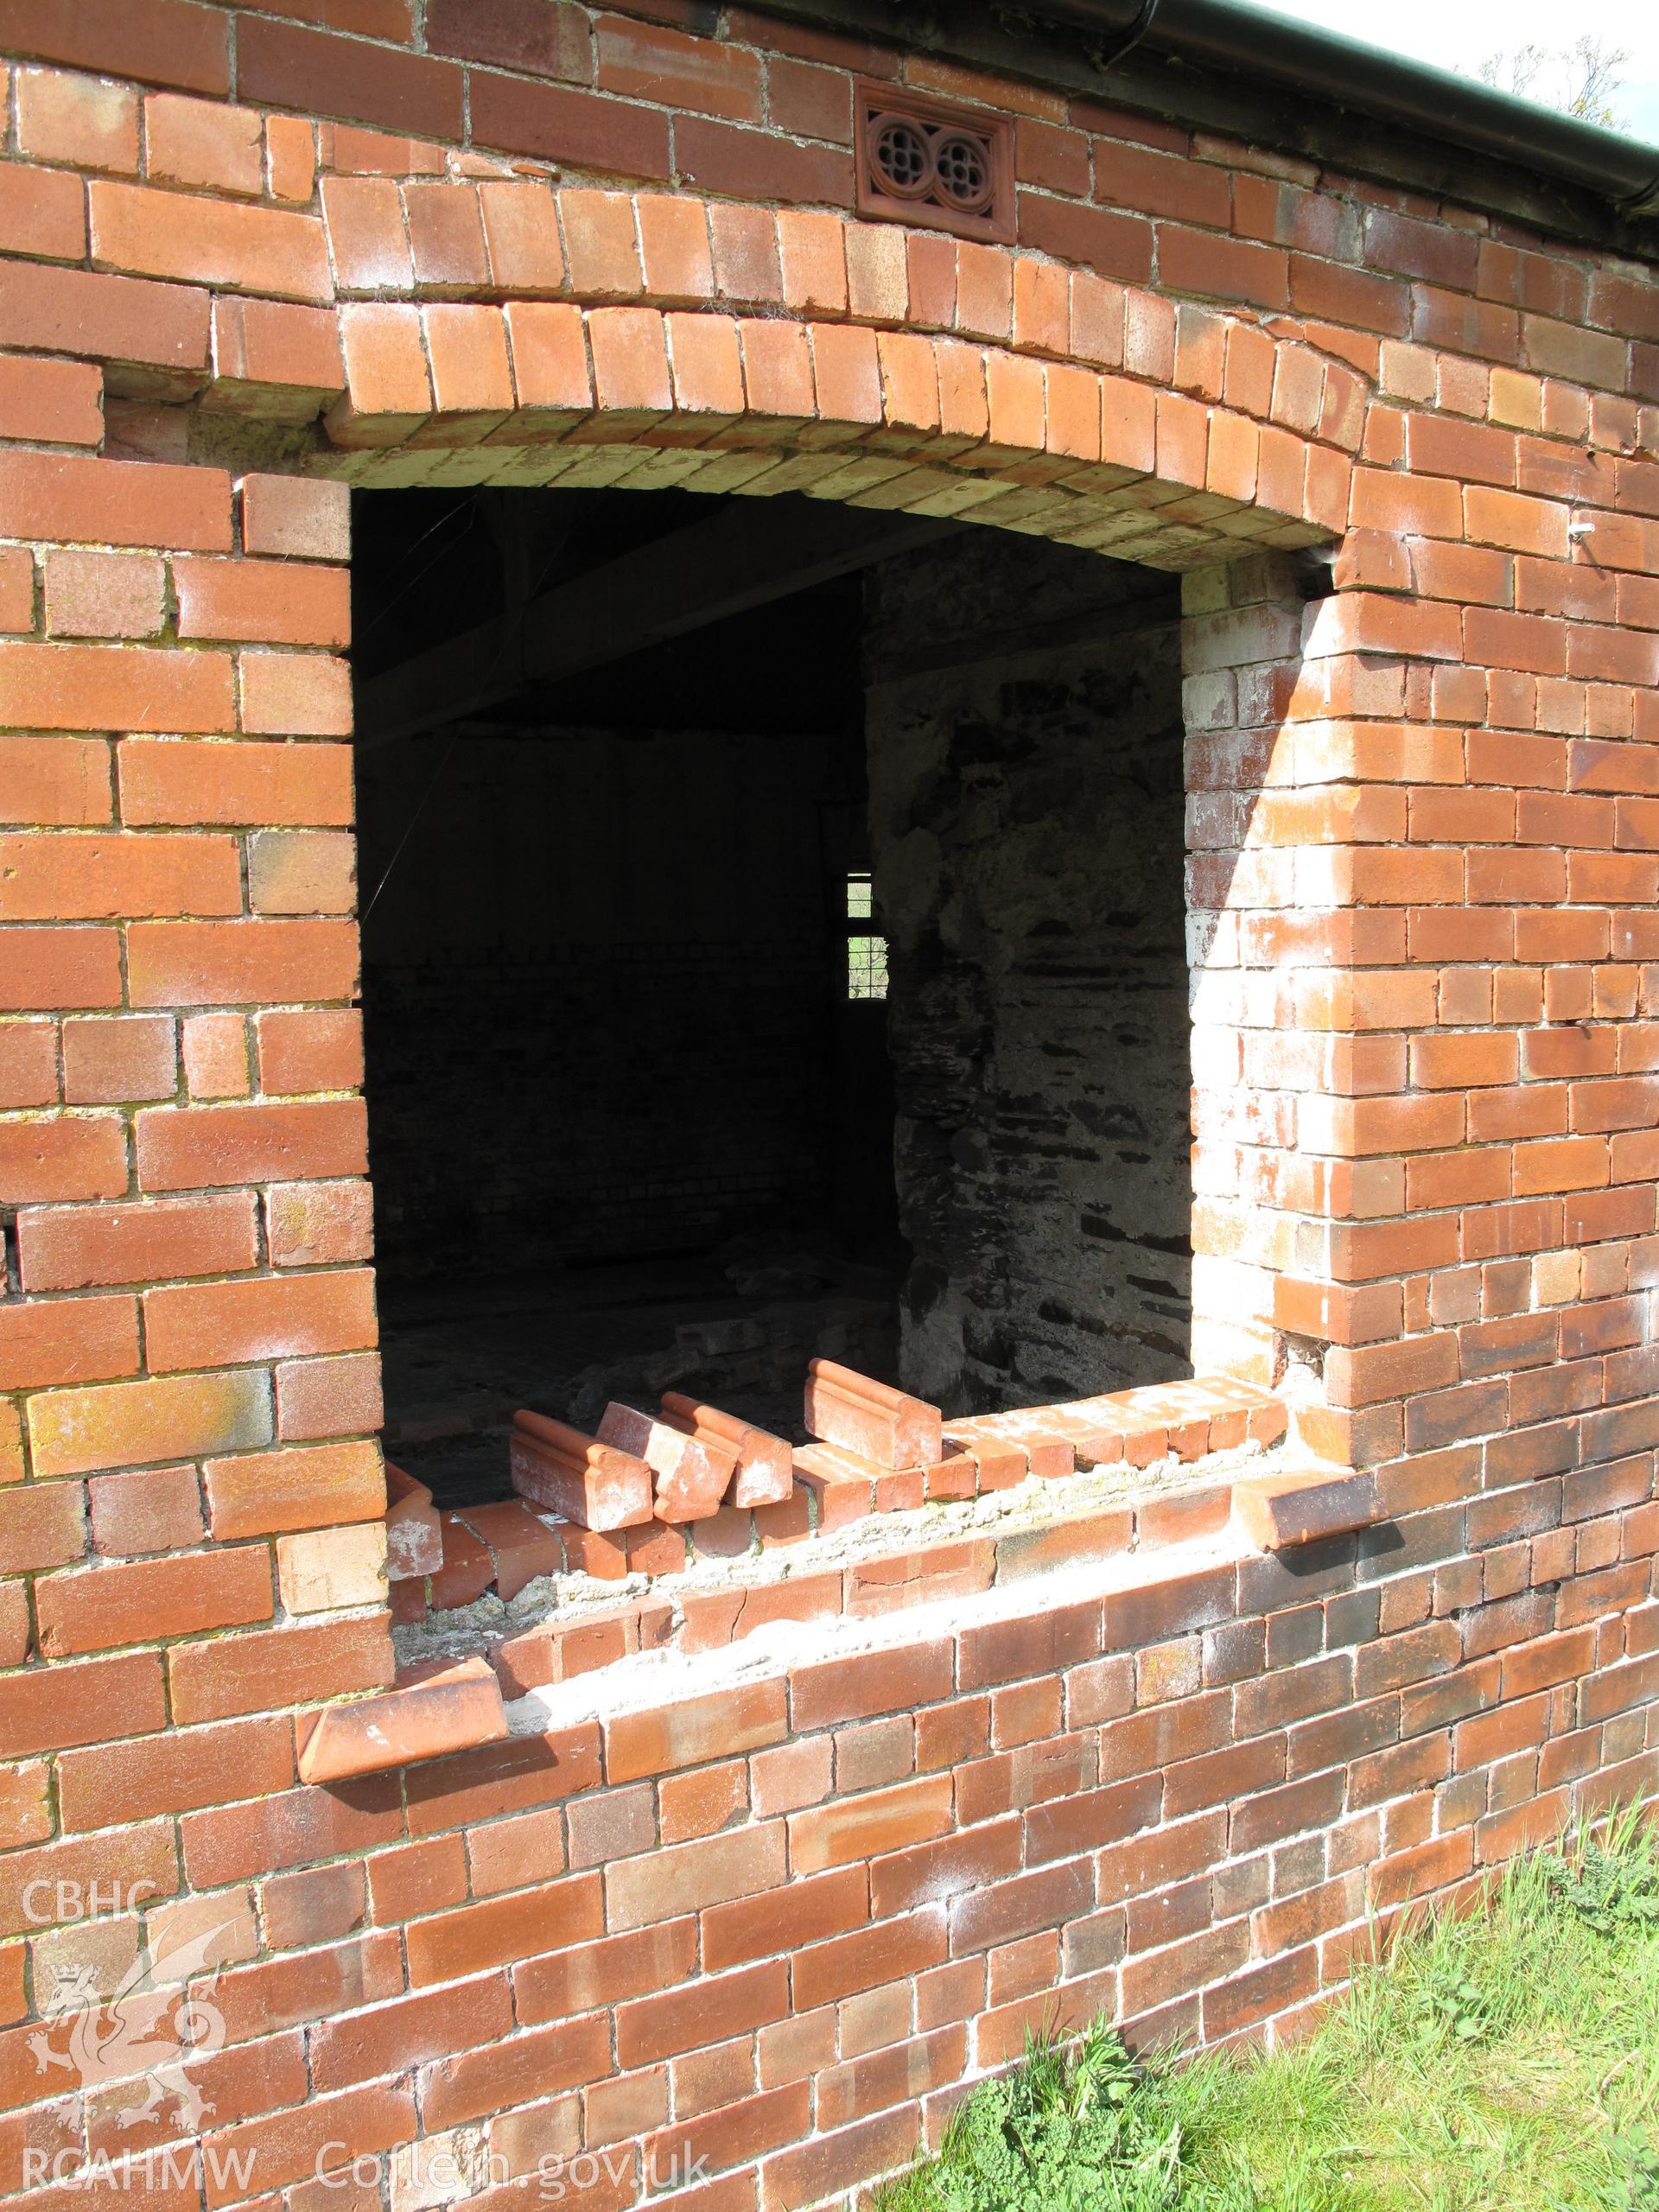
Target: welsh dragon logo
x,y
147,2032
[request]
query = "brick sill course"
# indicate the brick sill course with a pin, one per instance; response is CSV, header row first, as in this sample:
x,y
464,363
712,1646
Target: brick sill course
x,y
1118,1526
1234,1507
1083,1607
444,1705
1123,1528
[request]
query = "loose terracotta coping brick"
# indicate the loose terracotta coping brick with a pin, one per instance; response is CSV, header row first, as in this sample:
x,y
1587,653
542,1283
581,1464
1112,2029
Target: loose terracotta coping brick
x,y
870,1419
1280,1509
763,1476
691,1474
577,1477
414,1540
438,1707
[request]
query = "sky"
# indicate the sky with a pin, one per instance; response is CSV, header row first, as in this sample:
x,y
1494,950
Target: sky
x,y
1460,34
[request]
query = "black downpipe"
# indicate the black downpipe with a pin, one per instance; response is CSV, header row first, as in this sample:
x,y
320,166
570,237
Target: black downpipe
x,y
1224,36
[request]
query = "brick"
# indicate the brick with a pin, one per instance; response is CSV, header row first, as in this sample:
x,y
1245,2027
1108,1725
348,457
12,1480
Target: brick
x,y
559,2056
51,403
211,1324
467,347
82,1431
948,1866
79,1156
114,502
105,687
688,1877
690,1475
694,1730
860,1687
1091,1820
78,121
25,1810
199,1147
295,519
95,1609
55,780
42,213
327,1572
29,1065
301,871
66,1868
171,43
87,1248
313,1905
173,781
584,1976
215,1049
86,877
662,2025
90,1702
575,1476
654,62
124,319
612,136
291,157
272,358
107,1062
17,590
202,143
521,239
68,1340
631,370
262,602
436,1706
1037,1645
318,1398
514,1853
264,1669
503,1930
874,1822
869,1419
280,64
104,594
157,1510
312,2142
44,1527
316,1224
319,1049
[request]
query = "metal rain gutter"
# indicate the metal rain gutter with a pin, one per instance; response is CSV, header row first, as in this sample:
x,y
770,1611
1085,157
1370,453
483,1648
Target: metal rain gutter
x,y
1229,37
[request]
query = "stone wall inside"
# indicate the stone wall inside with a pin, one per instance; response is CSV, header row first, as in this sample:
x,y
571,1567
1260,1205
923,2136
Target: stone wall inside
x,y
1024,728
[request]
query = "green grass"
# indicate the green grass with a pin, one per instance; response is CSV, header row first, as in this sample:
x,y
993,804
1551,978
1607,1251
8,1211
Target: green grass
x,y
1506,2060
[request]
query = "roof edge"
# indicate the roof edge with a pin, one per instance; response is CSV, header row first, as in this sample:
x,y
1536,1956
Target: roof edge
x,y
1222,66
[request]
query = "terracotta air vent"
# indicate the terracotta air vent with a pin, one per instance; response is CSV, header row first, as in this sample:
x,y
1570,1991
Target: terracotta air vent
x,y
944,168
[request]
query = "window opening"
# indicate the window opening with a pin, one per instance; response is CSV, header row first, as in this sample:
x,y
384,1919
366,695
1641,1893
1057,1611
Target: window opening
x,y
867,949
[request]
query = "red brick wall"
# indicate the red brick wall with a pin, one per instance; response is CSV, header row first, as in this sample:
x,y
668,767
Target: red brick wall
x,y
1425,857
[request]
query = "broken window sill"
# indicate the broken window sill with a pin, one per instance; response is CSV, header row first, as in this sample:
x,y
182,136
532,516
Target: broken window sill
x,y
1107,1483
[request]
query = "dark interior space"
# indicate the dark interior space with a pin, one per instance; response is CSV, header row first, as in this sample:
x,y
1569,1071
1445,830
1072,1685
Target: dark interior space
x,y
772,944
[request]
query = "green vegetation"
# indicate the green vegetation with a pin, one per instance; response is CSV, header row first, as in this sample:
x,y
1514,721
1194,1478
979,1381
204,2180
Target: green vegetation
x,y
1505,2061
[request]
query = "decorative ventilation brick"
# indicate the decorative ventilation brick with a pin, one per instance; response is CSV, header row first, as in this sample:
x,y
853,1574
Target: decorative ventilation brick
x,y
944,168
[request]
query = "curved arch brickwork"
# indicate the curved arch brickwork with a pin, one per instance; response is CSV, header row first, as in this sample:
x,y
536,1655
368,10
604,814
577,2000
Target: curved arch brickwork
x,y
1422,887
